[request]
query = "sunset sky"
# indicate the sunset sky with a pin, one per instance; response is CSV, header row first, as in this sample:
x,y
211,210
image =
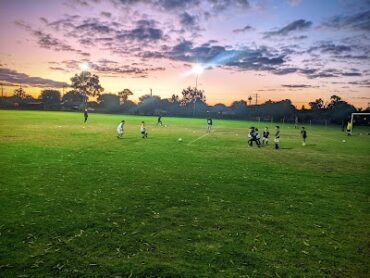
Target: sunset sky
x,y
296,49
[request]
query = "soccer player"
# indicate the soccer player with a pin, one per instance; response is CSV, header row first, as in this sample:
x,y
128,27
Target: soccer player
x,y
210,123
250,132
86,115
265,136
120,128
304,135
159,121
257,137
349,128
143,132
277,137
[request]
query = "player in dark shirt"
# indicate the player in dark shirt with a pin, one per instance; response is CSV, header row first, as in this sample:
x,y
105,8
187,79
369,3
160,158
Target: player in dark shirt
x,y
265,136
159,121
304,136
209,123
86,115
277,137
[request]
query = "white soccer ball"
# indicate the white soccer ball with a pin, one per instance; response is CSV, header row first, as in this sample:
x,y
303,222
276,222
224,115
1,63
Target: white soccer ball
x,y
343,141
303,144
165,125
180,139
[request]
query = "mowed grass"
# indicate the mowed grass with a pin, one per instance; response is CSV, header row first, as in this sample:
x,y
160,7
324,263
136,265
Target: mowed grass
x,y
76,201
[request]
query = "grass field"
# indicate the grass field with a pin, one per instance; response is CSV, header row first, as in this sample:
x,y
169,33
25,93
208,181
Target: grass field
x,y
77,201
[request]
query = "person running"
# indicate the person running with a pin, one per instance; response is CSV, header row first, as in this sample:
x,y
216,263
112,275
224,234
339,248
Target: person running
x,y
159,121
143,131
209,123
277,137
86,115
265,136
120,128
304,136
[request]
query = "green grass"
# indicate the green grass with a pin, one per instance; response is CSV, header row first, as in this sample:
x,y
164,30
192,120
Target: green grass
x,y
77,201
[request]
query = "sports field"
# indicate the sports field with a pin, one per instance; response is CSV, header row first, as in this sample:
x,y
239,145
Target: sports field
x,y
77,201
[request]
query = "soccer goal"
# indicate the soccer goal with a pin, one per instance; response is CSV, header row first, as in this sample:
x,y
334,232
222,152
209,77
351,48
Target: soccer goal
x,y
362,122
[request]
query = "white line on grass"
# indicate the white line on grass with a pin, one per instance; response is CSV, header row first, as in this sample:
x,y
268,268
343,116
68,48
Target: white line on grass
x,y
200,137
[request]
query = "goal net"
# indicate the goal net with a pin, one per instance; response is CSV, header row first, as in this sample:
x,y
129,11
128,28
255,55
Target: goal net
x,y
360,123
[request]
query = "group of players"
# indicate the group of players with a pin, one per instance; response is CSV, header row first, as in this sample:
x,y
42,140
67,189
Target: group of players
x,y
253,133
254,136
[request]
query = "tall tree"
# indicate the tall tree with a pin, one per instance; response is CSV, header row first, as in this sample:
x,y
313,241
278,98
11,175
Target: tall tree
x,y
50,98
87,84
192,95
20,93
317,104
123,95
109,102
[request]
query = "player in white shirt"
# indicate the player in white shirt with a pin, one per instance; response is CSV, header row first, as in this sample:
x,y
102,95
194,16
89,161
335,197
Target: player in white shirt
x,y
143,130
120,128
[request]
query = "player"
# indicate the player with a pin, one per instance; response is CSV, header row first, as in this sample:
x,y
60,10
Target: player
x,y
210,123
86,115
257,137
159,121
277,137
304,136
265,136
250,132
349,128
120,128
143,130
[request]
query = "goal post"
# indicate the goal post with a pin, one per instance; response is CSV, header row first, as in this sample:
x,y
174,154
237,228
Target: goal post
x,y
353,115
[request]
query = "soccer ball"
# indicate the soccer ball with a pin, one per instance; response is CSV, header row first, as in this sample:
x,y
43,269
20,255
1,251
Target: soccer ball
x,y
343,141
165,125
180,139
303,144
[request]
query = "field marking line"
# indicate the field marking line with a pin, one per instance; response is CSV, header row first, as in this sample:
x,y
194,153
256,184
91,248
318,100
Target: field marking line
x,y
200,137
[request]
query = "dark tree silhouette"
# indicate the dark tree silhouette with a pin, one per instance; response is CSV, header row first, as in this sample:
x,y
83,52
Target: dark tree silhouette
x,y
191,95
123,95
110,102
50,98
317,104
87,84
19,93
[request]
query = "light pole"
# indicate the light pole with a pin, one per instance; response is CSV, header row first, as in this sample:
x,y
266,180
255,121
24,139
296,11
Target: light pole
x,y
197,70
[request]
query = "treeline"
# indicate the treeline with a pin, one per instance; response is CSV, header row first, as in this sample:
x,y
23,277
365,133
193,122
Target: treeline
x,y
190,103
336,111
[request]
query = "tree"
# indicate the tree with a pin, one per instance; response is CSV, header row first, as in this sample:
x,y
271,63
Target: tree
x,y
192,95
123,95
87,84
109,102
50,98
250,100
317,104
19,93
174,99
72,99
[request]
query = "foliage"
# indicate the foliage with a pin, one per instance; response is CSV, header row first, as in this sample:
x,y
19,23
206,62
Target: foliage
x,y
87,84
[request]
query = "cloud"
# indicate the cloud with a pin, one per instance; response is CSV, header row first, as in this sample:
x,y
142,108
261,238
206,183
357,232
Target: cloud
x,y
145,30
12,76
330,47
359,21
48,41
298,25
294,3
106,14
299,86
244,29
188,21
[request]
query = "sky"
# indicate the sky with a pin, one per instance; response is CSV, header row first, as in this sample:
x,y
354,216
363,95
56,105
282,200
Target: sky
x,y
287,49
